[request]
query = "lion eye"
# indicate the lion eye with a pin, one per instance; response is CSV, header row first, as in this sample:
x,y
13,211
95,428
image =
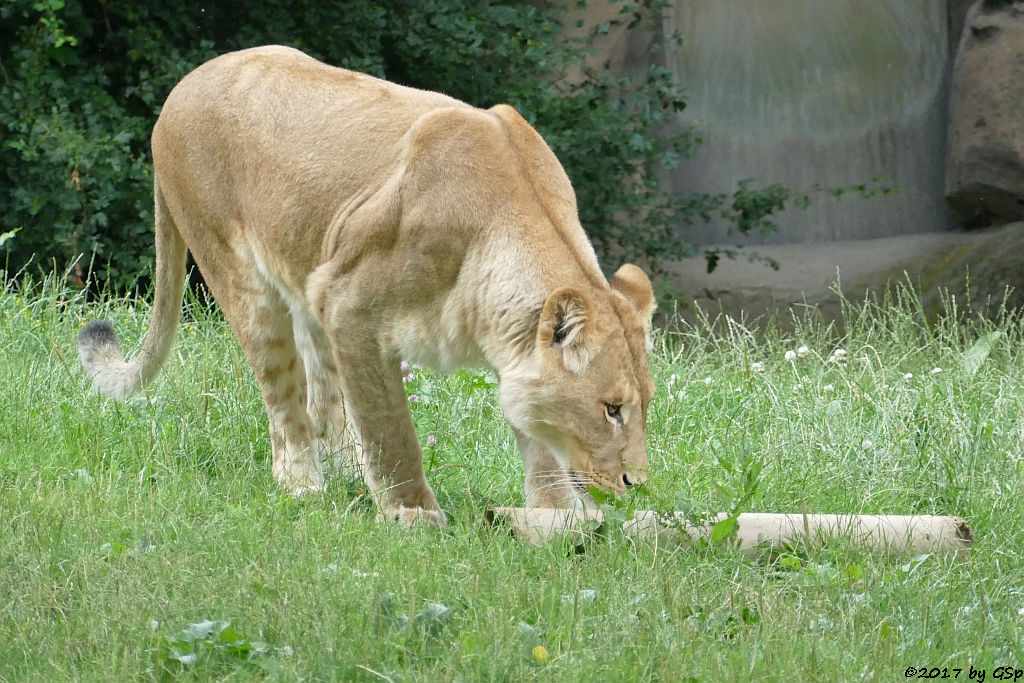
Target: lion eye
x,y
614,410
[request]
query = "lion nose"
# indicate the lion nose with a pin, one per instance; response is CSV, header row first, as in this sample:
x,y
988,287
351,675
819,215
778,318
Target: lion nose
x,y
633,476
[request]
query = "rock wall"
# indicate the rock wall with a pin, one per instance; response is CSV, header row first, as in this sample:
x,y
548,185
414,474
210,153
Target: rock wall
x,y
801,92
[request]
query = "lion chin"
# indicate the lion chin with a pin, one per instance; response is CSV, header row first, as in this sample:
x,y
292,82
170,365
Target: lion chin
x,y
343,223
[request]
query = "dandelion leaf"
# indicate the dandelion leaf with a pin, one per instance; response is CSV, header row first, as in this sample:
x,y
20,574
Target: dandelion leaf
x,y
976,356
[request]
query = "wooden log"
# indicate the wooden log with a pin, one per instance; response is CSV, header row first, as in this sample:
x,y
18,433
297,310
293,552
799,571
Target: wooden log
x,y
754,530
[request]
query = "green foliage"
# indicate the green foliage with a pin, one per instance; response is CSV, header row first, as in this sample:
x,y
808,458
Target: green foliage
x,y
975,356
72,155
6,237
215,639
82,83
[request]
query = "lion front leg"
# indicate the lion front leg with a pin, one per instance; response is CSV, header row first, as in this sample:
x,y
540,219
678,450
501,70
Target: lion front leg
x,y
391,453
548,484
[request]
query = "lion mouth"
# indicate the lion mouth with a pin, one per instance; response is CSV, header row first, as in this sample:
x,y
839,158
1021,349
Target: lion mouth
x,y
578,483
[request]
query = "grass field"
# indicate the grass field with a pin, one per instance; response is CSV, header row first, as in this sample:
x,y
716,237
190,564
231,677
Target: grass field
x,y
147,539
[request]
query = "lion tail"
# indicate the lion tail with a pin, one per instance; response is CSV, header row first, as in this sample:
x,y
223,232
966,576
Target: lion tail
x,y
98,347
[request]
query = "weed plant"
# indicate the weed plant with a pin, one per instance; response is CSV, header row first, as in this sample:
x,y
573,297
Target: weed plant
x,y
148,540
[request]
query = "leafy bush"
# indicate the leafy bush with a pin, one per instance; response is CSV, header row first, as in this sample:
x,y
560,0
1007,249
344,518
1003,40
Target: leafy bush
x,y
82,83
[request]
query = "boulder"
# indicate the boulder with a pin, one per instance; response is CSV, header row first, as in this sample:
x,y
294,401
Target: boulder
x,y
985,165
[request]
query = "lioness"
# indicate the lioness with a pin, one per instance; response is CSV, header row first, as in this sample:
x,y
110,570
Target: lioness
x,y
344,223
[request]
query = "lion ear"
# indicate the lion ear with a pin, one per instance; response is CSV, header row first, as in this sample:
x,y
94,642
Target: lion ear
x,y
634,285
565,328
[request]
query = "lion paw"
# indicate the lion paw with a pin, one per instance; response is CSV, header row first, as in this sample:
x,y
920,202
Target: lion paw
x,y
416,516
300,481
308,490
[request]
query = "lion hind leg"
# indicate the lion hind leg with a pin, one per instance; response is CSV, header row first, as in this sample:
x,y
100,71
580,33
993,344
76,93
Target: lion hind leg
x,y
271,347
334,434
262,322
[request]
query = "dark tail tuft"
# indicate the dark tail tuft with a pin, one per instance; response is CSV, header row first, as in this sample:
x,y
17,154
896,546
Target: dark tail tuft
x,y
98,334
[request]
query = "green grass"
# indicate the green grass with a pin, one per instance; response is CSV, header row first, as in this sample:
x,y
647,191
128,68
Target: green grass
x,y
125,523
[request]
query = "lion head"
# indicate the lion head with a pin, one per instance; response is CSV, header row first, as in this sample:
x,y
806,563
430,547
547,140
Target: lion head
x,y
583,392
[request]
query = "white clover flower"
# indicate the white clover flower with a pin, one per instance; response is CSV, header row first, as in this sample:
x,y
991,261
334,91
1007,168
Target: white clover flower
x,y
791,355
802,352
908,376
405,367
413,398
828,387
672,380
708,381
757,366
839,356
936,371
866,444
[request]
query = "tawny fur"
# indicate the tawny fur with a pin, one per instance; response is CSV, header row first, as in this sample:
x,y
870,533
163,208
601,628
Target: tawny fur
x,y
344,223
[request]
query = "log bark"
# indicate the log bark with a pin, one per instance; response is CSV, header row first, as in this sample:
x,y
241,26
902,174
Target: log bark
x,y
755,530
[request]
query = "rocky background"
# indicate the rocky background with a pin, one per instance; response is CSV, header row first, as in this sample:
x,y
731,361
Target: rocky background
x,y
927,93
